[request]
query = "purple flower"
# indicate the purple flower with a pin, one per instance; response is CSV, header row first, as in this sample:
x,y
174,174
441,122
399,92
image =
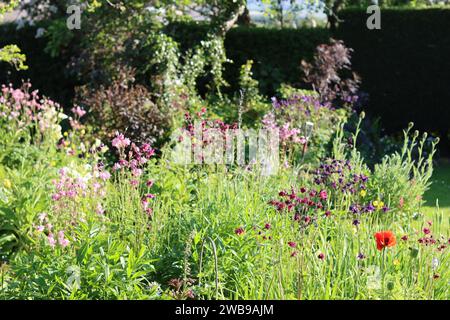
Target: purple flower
x,y
370,207
354,208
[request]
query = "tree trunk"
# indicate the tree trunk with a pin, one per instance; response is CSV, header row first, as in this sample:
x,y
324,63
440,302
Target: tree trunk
x,y
244,19
232,19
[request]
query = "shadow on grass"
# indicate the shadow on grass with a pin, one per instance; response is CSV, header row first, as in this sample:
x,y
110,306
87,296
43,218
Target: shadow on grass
x,y
440,187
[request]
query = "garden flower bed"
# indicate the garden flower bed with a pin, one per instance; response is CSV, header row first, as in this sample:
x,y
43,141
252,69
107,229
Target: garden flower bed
x,y
85,219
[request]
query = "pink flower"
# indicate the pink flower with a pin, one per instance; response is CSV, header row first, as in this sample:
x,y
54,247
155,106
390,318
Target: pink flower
x,y
99,210
292,244
78,111
51,240
104,175
120,141
239,231
136,172
63,242
116,166
56,197
149,183
18,95
40,228
145,204
323,195
426,230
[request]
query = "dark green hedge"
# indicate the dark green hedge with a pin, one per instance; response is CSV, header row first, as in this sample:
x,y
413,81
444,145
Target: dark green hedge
x,y
405,66
47,74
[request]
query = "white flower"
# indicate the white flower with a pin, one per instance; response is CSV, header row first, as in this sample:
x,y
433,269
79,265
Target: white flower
x,y
435,263
39,33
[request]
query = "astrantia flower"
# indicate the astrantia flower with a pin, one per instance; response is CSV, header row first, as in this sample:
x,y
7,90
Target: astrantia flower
x,y
426,231
267,226
321,256
405,238
239,231
385,239
292,244
323,195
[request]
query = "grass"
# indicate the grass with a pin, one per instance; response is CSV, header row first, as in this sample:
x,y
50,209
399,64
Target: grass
x,y
439,192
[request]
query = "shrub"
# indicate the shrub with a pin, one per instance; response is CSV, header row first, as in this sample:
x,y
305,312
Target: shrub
x,y
306,126
126,107
325,73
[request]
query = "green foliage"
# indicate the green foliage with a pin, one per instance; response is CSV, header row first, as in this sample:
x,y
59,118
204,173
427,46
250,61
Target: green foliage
x,y
7,6
97,267
12,54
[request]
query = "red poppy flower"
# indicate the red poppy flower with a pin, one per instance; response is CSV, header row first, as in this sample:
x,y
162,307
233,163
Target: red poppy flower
x,y
385,239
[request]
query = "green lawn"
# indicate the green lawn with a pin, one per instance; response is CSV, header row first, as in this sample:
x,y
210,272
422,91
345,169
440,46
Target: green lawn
x,y
439,191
